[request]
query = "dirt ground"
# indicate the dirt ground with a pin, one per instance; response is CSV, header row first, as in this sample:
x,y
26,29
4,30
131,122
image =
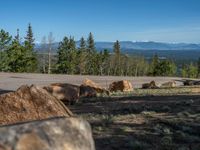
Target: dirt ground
x,y
11,81
143,122
128,123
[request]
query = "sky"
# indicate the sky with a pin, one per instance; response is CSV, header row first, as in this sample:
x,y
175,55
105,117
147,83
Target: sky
x,y
173,21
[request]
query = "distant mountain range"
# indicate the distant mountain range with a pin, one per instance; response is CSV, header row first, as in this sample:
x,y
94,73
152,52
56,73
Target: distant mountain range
x,y
129,45
149,46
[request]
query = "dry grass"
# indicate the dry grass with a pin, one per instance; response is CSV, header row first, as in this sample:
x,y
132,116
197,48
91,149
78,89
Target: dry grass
x,y
143,122
160,91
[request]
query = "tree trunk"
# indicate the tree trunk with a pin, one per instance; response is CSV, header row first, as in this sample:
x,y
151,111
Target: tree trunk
x,y
49,63
44,64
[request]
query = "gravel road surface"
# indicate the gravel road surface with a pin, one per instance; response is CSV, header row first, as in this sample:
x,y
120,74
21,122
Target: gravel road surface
x,y
11,81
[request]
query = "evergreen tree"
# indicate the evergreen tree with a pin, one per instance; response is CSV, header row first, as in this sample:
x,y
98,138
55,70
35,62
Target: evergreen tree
x,y
81,57
91,44
117,58
16,56
184,71
198,67
20,59
72,55
67,56
17,38
30,55
154,65
189,71
91,64
102,58
106,62
162,67
63,63
5,40
116,48
82,44
192,71
29,39
166,68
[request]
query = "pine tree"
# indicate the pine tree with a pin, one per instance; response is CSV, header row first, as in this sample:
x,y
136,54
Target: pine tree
x,y
198,66
82,43
166,68
81,57
67,56
91,65
17,38
184,71
106,62
154,65
117,58
29,39
116,48
72,54
189,71
29,51
102,61
5,40
162,67
192,71
63,64
20,58
91,44
72,43
16,56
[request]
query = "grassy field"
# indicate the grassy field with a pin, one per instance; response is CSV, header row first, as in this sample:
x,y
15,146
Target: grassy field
x,y
143,122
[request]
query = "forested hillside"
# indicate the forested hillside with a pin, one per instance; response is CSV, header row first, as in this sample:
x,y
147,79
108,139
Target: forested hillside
x,y
87,58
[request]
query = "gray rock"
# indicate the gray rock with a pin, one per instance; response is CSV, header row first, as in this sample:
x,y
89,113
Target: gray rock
x,y
51,134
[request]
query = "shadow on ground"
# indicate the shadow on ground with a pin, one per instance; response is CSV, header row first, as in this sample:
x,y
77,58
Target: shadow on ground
x,y
143,122
4,91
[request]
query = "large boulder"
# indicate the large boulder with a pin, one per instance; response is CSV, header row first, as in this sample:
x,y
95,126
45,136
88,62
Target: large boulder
x,y
65,92
170,84
191,82
123,86
95,86
51,134
87,91
30,103
151,85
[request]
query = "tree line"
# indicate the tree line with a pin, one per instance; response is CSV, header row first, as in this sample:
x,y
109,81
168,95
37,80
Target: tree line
x,y
18,55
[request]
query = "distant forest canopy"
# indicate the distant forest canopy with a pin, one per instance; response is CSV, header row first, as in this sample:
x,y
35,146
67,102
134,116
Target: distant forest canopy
x,y
19,54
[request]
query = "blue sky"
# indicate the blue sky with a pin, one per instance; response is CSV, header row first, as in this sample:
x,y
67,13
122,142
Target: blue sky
x,y
109,20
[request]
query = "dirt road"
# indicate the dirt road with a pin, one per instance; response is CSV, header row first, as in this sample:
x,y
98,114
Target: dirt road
x,y
11,81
